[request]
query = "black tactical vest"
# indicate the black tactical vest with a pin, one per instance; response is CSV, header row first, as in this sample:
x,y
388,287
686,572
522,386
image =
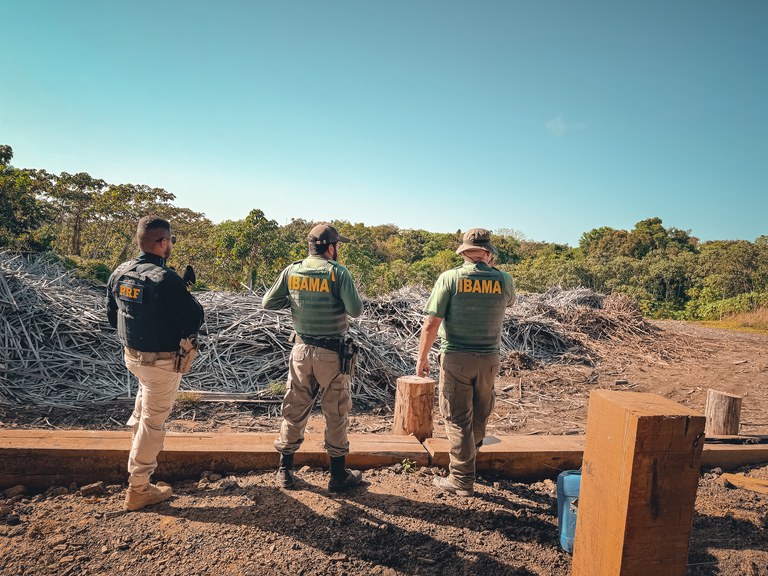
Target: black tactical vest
x,y
139,319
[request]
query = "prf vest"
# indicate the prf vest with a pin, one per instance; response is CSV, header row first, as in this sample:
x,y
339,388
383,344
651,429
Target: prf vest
x,y
475,314
315,304
138,316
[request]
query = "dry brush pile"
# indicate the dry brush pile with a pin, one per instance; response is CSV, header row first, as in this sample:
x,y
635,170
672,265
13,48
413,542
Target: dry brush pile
x,y
57,349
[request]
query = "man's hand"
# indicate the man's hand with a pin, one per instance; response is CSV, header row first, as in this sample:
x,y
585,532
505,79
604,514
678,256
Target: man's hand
x,y
422,367
426,339
189,276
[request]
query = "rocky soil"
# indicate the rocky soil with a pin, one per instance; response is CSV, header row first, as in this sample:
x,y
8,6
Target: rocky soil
x,y
397,523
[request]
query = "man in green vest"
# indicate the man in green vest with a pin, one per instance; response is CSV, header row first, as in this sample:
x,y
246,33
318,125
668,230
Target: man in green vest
x,y
466,308
321,293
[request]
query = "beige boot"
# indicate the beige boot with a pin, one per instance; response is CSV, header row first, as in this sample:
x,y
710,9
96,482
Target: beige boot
x,y
145,495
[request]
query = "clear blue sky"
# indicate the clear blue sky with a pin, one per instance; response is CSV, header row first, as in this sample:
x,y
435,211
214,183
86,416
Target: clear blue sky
x,y
548,117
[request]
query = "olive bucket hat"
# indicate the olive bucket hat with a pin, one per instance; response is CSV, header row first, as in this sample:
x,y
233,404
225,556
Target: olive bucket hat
x,y
477,238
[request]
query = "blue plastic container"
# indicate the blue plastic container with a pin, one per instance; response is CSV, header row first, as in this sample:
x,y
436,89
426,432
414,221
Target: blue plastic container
x,y
568,485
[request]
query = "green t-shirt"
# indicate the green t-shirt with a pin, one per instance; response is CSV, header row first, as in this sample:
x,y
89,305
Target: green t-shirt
x,y
320,293
471,299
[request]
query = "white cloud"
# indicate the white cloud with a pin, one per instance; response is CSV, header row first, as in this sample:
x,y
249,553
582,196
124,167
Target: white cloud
x,y
558,126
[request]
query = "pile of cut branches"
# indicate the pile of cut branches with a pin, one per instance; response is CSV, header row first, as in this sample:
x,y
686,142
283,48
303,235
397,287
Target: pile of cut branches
x,y
57,349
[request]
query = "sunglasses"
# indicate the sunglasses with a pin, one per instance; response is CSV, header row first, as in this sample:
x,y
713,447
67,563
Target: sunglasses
x,y
172,239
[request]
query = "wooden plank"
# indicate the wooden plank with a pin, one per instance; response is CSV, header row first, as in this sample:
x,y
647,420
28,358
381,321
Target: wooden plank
x,y
228,397
732,456
522,458
736,439
61,453
741,481
640,473
40,458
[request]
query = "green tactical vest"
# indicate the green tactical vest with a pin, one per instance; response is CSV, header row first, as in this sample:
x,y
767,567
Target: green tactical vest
x,y
315,305
475,314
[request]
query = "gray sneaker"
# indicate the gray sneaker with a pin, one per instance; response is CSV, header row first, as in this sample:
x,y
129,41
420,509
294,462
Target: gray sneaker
x,y
448,484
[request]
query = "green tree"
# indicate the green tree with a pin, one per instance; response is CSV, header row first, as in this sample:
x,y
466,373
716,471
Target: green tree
x,y
667,278
382,235
611,245
6,155
114,213
647,236
727,266
388,277
294,237
426,271
592,239
361,254
553,264
508,247
21,212
760,275
251,250
195,245
73,198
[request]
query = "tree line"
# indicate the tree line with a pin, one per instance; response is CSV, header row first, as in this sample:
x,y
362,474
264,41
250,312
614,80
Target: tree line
x,y
89,224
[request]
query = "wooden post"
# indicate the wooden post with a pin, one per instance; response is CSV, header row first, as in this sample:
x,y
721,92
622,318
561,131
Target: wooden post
x,y
723,412
414,400
640,472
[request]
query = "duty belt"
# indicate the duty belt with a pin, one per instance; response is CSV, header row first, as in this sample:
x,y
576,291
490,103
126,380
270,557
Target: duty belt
x,y
133,353
327,343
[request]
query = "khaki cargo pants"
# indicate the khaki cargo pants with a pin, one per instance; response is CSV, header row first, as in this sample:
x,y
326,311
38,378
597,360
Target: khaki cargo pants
x,y
158,385
466,402
312,371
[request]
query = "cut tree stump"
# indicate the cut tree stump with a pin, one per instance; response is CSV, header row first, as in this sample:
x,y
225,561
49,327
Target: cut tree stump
x,y
723,413
414,400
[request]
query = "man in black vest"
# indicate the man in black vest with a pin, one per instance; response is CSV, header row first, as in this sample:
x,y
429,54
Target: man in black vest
x,y
152,310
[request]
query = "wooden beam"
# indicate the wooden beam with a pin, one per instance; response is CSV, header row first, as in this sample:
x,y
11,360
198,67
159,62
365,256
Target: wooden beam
x,y
522,458
68,455
640,473
732,456
735,439
41,458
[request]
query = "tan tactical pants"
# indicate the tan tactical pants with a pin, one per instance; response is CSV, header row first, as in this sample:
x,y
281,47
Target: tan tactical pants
x,y
313,371
158,386
466,402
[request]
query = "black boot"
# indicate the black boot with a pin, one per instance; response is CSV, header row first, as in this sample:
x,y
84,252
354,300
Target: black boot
x,y
342,478
284,477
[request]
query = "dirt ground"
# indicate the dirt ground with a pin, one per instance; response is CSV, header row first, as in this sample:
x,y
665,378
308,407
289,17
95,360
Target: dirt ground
x,y
397,523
